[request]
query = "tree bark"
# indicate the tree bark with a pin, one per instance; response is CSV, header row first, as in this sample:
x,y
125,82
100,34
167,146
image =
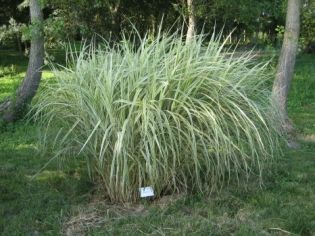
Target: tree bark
x,y
29,86
191,21
286,62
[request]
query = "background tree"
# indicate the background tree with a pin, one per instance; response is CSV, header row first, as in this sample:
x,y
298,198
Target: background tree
x,y
191,20
14,109
286,63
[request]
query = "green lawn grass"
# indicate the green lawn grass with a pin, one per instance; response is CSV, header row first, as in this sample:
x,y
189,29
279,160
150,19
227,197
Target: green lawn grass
x,y
12,70
60,201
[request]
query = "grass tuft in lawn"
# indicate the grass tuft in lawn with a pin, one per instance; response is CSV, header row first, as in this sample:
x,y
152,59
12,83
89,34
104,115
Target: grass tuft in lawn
x,y
162,113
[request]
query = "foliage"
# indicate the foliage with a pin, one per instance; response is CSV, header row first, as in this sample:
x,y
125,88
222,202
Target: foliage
x,y
308,26
9,9
109,17
246,17
177,117
251,21
55,33
11,32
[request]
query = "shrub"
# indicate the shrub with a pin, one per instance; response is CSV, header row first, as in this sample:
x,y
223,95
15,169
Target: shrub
x,y
178,117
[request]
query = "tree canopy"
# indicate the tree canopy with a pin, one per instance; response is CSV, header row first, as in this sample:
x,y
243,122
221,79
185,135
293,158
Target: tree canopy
x,y
252,21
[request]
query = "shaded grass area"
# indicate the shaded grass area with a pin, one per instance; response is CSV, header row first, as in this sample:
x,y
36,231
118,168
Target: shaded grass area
x,y
301,102
61,200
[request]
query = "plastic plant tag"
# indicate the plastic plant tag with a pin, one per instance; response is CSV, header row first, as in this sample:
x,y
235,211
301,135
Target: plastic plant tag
x,y
146,192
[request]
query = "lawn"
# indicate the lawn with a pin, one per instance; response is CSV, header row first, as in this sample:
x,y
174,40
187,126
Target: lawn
x,y
63,201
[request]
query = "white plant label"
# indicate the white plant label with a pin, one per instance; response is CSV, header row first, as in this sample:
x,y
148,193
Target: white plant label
x,y
146,192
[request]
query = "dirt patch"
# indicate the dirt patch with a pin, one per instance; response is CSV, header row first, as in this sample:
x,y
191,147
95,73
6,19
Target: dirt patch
x,y
97,214
307,138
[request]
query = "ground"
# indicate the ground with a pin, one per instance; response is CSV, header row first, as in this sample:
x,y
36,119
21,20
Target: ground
x,y
64,201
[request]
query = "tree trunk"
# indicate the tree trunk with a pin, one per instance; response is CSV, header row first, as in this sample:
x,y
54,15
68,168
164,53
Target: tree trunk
x,y
191,21
29,86
286,62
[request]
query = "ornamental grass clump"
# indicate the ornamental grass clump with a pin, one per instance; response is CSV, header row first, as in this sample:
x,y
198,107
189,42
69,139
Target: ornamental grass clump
x,y
178,117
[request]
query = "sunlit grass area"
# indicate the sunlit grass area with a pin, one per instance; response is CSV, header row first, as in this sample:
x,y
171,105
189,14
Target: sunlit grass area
x,y
9,83
13,68
63,200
